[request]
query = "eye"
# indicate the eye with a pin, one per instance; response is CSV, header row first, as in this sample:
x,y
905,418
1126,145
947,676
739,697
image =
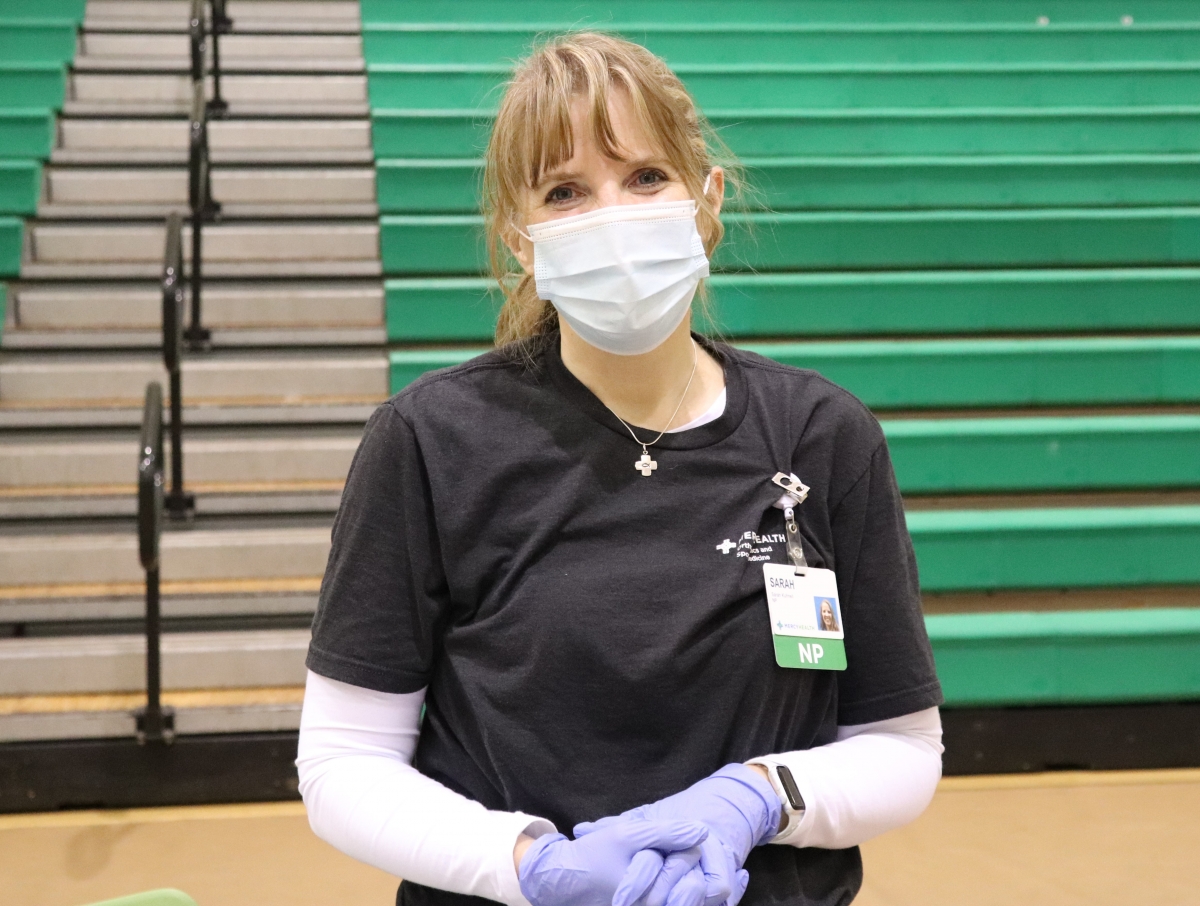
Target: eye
x,y
649,178
559,195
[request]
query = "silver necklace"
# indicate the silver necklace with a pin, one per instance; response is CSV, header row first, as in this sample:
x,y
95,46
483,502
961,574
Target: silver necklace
x,y
646,465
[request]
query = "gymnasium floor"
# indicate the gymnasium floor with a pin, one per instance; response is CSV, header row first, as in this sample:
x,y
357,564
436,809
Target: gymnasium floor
x,y
1086,839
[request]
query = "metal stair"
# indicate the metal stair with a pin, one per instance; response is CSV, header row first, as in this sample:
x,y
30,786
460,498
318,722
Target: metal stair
x,y
272,412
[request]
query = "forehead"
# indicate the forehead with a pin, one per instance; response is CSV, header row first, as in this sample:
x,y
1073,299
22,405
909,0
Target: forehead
x,y
633,138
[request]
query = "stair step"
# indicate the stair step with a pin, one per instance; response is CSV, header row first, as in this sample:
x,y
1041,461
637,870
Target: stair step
x,y
904,129
131,250
892,374
229,186
554,14
95,340
44,381
86,464
202,414
239,52
865,240
39,564
227,306
252,599
108,94
117,663
236,500
321,16
801,85
105,716
26,133
125,193
132,141
865,42
1095,300
870,183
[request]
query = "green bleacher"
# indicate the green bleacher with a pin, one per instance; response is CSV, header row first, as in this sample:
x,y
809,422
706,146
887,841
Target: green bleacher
x,y
37,44
983,218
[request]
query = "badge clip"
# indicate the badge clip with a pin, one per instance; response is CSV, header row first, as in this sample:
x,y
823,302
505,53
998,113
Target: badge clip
x,y
795,488
797,491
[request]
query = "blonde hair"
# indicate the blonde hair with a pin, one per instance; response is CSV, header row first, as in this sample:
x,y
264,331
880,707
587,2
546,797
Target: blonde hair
x,y
532,135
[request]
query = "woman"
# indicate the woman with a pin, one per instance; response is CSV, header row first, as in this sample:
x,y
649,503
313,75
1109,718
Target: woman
x,y
828,620
559,550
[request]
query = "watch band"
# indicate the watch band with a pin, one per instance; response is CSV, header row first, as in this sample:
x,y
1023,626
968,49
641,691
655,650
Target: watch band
x,y
788,791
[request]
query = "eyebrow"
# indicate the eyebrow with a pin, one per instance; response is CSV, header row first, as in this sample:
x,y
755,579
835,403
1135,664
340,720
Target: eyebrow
x,y
636,164
556,176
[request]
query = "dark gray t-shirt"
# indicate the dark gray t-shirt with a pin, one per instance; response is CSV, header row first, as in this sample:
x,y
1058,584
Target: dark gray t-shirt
x,y
589,640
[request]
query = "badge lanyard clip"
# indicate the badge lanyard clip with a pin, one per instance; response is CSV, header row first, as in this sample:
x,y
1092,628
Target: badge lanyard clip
x,y
797,492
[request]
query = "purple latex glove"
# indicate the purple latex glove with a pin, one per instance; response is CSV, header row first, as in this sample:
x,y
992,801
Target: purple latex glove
x,y
740,808
613,866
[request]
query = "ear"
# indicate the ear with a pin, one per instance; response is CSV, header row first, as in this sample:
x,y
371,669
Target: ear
x,y
716,188
521,248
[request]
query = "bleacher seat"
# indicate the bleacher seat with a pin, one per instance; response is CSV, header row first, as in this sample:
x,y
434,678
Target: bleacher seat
x,y
981,218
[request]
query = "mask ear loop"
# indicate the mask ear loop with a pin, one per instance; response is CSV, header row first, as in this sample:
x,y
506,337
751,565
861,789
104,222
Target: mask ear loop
x,y
707,180
520,231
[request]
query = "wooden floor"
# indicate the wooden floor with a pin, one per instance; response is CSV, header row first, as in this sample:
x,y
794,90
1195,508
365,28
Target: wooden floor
x,y
1098,839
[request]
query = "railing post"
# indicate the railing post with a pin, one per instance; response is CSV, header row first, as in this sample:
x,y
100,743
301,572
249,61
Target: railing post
x,y
155,724
197,336
221,24
179,504
196,38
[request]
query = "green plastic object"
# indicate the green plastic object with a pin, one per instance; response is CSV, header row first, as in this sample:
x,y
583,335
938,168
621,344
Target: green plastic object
x,y
795,85
36,40
45,9
1093,300
11,232
32,84
1068,657
993,550
977,373
20,186
430,133
26,133
870,183
555,13
164,897
1048,237
1071,453
934,374
440,309
690,43
453,245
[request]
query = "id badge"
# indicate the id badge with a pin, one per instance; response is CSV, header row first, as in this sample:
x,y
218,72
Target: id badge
x,y
806,618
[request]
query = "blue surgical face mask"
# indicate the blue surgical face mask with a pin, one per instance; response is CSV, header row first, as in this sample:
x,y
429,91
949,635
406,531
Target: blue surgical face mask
x,y
622,277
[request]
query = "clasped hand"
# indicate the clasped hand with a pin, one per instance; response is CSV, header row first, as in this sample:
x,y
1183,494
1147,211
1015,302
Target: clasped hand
x,y
685,850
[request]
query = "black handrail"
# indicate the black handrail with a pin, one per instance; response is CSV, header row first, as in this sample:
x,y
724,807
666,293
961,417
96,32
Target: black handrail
x,y
218,24
203,209
221,25
196,34
179,504
155,724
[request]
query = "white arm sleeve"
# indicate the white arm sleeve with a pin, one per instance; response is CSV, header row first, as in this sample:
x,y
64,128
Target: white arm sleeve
x,y
364,797
874,778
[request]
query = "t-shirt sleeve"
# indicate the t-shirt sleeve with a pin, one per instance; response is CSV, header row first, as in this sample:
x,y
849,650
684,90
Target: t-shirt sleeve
x,y
890,670
384,598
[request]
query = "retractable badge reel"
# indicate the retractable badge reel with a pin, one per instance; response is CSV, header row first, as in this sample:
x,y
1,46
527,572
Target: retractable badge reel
x,y
806,616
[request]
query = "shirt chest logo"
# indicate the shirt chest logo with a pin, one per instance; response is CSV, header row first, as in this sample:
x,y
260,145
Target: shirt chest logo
x,y
751,545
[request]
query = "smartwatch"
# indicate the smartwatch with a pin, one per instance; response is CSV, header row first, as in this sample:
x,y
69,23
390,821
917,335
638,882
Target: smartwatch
x,y
788,792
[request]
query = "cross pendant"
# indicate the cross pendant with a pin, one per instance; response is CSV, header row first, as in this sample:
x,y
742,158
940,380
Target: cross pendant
x,y
645,465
